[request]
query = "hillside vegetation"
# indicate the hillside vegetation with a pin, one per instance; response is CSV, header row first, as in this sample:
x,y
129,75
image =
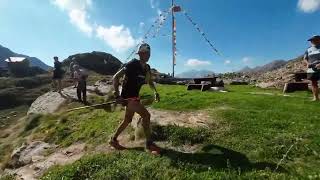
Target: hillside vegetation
x,y
250,132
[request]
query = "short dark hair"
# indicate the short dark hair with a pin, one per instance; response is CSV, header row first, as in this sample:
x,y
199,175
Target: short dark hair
x,y
55,57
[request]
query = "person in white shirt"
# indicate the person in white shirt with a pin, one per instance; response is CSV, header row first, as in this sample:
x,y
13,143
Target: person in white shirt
x,y
312,58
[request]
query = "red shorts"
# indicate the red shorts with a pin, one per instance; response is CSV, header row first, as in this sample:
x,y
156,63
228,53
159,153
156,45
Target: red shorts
x,y
133,99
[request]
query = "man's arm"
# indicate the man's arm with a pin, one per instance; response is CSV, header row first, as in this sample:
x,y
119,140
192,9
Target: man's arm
x,y
116,81
152,86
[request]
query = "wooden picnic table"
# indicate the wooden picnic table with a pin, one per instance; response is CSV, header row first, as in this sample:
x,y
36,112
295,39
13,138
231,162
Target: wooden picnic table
x,y
202,83
212,80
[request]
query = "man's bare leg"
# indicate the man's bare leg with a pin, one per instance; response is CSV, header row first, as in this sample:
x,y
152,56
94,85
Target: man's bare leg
x,y
54,82
137,107
315,90
124,124
59,85
127,120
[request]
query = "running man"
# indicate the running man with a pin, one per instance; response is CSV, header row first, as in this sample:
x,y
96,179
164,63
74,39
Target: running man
x,y
136,73
312,58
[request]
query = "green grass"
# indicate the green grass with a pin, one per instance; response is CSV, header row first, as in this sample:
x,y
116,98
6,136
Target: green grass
x,y
172,165
255,131
90,126
180,135
13,113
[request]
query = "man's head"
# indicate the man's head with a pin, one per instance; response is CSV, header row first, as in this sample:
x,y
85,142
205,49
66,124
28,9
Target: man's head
x,y
55,58
315,40
144,52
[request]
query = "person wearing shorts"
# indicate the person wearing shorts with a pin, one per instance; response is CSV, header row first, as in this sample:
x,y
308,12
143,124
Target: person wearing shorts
x,y
135,73
312,58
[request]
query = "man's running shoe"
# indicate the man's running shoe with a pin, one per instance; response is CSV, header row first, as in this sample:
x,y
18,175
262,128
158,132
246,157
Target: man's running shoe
x,y
115,144
153,149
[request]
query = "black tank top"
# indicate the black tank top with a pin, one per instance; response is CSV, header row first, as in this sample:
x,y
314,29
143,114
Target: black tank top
x,y
135,77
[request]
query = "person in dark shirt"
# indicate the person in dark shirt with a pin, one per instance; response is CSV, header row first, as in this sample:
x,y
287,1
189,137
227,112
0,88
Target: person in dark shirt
x,y
81,76
135,73
312,59
57,74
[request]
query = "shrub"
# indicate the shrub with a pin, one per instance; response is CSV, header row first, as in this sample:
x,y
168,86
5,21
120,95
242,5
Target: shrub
x,y
32,122
32,82
9,97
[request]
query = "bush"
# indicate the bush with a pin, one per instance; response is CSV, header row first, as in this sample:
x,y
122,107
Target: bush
x,y
32,82
9,97
32,122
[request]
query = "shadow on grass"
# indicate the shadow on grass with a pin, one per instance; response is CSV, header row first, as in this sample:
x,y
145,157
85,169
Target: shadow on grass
x,y
217,157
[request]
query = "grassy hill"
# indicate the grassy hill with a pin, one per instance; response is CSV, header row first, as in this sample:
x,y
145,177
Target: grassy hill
x,y
254,134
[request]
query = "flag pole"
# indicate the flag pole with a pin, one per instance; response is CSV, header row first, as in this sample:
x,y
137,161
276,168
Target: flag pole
x,y
173,38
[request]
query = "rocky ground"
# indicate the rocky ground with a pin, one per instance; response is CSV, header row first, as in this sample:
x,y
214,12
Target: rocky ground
x,y
52,101
277,78
33,158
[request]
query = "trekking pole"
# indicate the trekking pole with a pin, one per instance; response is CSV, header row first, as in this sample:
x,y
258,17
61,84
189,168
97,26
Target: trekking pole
x,y
97,105
92,106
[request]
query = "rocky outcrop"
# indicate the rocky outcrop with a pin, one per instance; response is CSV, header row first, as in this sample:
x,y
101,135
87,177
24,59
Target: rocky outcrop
x,y
277,78
31,160
52,101
99,62
27,153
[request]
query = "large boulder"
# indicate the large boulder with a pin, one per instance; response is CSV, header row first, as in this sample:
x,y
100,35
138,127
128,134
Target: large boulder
x,y
99,62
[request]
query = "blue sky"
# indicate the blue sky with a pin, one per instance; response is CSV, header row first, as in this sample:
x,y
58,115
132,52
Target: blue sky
x,y
246,32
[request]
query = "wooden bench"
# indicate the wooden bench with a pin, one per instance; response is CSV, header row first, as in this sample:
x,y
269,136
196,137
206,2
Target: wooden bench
x,y
202,87
295,86
298,77
202,84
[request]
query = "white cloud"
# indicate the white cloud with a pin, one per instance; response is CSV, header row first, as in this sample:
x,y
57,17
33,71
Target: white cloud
x,y
77,11
309,6
118,38
141,24
72,4
246,60
154,3
79,19
197,62
141,27
227,62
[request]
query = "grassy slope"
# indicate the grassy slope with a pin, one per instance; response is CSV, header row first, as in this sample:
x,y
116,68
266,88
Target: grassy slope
x,y
256,131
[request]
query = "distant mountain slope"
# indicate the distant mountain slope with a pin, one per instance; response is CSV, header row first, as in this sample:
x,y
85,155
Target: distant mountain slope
x,y
278,77
194,74
265,68
6,53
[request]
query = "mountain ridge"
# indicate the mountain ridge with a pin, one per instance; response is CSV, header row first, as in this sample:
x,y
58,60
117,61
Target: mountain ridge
x,y
194,73
5,53
273,65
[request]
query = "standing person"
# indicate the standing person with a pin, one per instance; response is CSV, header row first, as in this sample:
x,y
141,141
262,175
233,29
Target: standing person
x,y
71,69
57,74
312,58
81,77
135,73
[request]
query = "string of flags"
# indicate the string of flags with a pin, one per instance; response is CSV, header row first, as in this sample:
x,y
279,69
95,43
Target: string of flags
x,y
201,32
158,23
163,18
